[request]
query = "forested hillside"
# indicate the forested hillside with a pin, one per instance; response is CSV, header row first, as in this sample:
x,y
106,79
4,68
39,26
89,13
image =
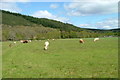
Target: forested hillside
x,y
16,26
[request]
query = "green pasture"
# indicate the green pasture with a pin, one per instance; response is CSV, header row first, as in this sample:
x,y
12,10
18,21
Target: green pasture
x,y
65,58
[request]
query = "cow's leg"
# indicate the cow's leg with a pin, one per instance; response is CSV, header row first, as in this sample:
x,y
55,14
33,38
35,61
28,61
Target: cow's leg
x,y
45,48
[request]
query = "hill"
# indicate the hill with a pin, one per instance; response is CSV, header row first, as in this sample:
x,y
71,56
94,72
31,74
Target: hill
x,y
17,26
13,19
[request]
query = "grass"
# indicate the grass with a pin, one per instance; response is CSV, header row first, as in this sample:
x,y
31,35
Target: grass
x,y
65,58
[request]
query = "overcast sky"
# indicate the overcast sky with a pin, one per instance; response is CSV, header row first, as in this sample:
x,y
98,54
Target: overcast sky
x,y
100,14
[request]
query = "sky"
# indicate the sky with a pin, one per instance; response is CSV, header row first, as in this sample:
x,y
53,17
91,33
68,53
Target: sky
x,y
100,14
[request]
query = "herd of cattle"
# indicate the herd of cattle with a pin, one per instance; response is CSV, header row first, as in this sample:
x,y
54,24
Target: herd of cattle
x,y
82,41
46,44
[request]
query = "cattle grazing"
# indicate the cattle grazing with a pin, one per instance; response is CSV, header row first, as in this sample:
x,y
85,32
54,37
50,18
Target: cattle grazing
x,y
14,42
46,45
96,39
24,41
81,41
29,41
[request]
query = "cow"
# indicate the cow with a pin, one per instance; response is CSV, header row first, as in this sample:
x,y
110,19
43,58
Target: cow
x,y
81,41
53,39
24,41
29,41
96,39
14,42
46,45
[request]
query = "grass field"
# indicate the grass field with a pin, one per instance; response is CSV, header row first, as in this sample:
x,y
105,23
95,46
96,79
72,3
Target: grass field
x,y
65,58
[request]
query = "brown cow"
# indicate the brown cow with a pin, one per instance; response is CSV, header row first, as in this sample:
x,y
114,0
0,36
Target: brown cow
x,y
81,41
24,41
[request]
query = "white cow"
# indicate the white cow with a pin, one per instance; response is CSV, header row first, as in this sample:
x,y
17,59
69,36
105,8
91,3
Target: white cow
x,y
96,39
29,41
46,45
53,39
14,42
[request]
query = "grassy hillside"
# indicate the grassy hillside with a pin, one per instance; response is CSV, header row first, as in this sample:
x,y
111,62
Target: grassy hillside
x,y
65,58
16,27
12,20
